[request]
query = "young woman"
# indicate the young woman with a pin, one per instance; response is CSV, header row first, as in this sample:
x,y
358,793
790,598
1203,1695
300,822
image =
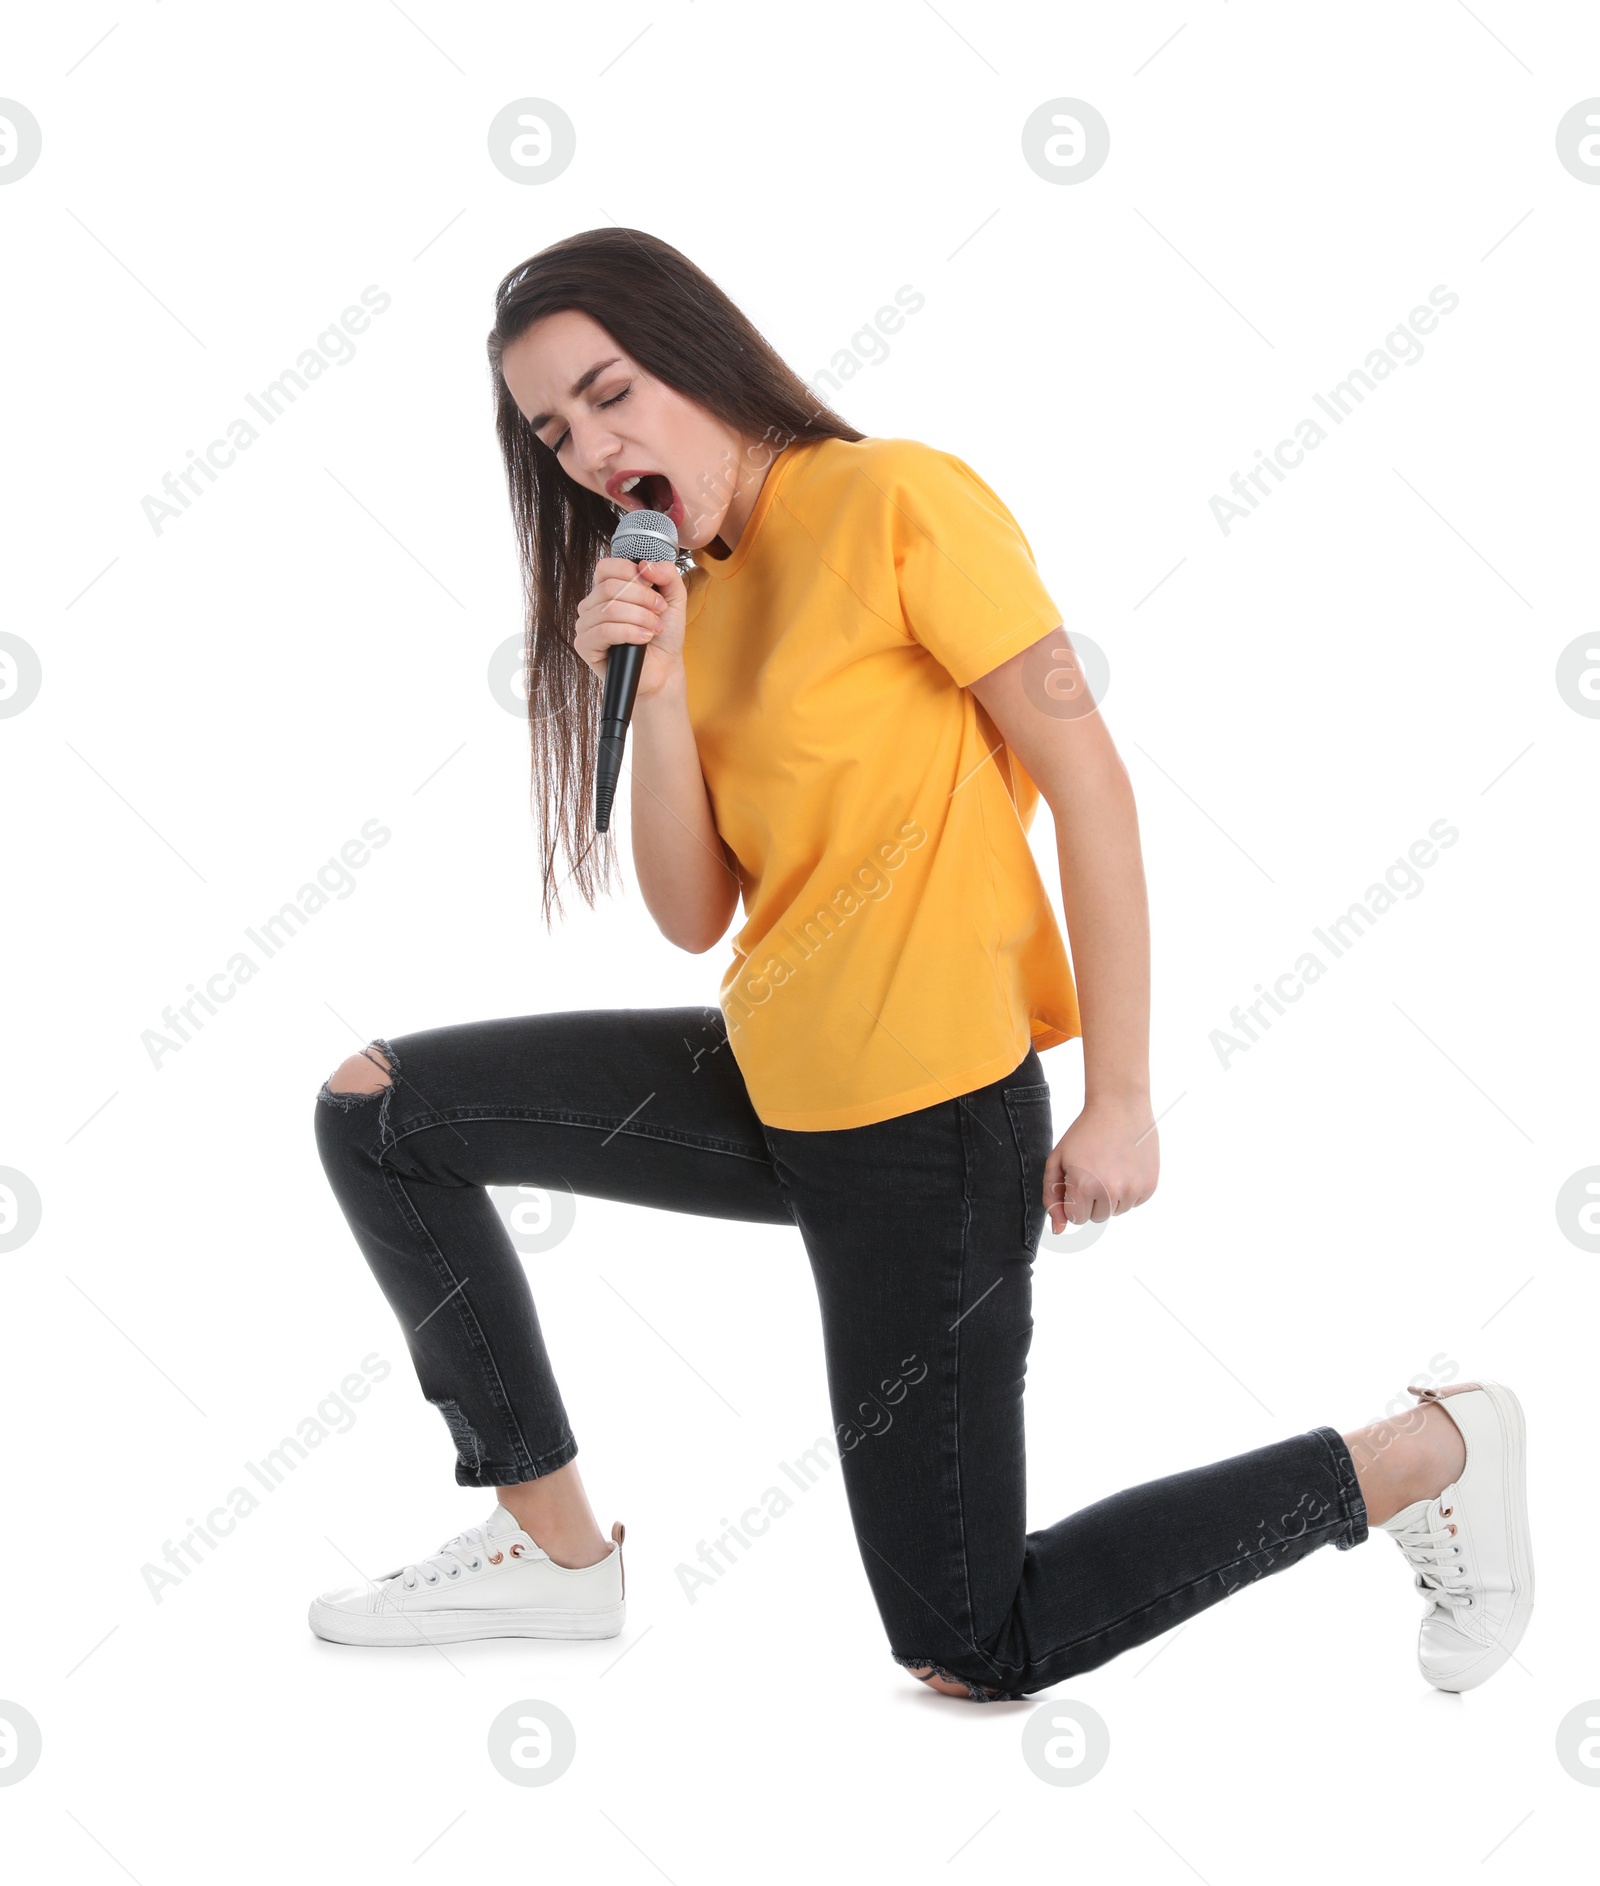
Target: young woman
x,y
850,705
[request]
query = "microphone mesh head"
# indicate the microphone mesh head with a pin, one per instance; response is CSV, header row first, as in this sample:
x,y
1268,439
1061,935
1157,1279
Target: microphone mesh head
x,y
646,537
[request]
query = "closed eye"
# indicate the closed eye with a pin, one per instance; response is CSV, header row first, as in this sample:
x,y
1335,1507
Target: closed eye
x,y
615,400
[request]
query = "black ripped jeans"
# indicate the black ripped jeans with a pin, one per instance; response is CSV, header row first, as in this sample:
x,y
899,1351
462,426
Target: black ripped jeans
x,y
921,1233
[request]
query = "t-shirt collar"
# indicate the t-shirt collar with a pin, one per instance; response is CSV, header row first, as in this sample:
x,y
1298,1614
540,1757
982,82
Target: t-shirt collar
x,y
730,565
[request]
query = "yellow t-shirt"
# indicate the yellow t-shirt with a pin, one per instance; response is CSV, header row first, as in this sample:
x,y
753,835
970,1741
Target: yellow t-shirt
x,y
898,947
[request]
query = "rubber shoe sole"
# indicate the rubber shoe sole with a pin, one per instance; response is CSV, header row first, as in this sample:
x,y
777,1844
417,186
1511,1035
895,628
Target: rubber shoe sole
x,y
399,1629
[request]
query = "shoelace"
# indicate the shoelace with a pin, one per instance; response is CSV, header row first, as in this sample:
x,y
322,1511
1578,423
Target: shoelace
x,y
468,1548
1434,1551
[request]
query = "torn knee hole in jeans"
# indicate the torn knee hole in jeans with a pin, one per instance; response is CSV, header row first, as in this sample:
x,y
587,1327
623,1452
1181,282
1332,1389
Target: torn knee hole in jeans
x,y
462,1432
377,1054
976,1692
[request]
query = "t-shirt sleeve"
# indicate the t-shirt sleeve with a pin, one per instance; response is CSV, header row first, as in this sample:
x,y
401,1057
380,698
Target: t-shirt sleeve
x,y
970,591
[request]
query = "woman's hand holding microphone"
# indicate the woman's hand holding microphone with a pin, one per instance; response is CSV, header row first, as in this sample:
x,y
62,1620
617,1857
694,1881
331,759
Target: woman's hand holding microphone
x,y
635,603
689,885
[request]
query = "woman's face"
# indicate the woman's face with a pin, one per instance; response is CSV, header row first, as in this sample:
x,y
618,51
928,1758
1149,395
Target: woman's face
x,y
609,421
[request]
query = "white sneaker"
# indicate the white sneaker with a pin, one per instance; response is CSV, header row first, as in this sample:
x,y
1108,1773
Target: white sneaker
x,y
491,1580
1470,1545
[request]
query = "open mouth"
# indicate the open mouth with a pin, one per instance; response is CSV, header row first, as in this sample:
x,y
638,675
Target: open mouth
x,y
649,491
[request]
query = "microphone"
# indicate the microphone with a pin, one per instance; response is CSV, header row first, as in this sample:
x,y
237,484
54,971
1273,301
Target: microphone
x,y
642,537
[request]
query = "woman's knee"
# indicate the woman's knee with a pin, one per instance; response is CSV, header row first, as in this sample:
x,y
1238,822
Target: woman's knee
x,y
361,1075
948,1683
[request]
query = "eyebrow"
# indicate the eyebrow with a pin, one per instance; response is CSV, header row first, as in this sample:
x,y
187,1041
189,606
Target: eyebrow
x,y
581,384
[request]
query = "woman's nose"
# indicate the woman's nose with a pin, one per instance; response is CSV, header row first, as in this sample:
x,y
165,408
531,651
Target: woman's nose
x,y
598,458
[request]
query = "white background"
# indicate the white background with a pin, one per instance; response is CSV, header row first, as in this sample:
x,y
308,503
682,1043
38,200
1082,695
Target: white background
x,y
1365,1198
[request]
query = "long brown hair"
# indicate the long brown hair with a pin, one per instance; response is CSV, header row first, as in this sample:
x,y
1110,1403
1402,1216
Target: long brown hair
x,y
680,326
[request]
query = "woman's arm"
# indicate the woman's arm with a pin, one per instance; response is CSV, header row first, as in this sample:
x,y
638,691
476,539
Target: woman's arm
x,y
1107,1160
688,881
684,875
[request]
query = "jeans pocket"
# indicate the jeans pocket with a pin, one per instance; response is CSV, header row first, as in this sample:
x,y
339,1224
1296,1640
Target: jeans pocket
x,y
1028,1109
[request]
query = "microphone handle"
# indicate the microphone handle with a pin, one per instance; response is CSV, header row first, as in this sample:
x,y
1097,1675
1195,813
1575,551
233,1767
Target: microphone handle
x,y
624,663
